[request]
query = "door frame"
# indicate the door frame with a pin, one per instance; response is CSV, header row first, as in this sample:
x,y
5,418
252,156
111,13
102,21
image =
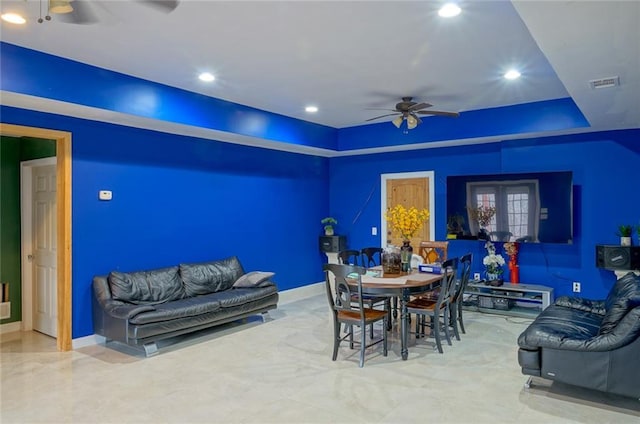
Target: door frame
x,y
26,236
63,224
383,199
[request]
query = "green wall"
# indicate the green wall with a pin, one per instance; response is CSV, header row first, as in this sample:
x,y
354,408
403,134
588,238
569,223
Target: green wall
x,y
12,152
36,148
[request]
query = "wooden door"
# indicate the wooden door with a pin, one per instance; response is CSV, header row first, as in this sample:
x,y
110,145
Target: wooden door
x,y
44,254
409,192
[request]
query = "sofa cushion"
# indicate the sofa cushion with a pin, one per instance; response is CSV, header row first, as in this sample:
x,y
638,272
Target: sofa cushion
x,y
146,287
254,279
241,296
210,277
624,296
187,307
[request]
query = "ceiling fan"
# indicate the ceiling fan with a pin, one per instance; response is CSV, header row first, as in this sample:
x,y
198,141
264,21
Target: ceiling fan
x,y
409,110
79,11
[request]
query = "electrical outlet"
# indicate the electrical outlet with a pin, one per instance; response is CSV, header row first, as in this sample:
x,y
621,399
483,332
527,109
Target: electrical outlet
x,y
576,287
476,276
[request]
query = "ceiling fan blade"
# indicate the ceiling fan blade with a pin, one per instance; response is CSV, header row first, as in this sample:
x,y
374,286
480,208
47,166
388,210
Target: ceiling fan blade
x,y
418,106
381,116
166,6
439,113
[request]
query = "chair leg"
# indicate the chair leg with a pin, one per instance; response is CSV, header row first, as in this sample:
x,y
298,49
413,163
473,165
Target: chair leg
x,y
436,330
453,317
387,305
459,309
395,307
384,339
351,336
336,339
363,343
445,318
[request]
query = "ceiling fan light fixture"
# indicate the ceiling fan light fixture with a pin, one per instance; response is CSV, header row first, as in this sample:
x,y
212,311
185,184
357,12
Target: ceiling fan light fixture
x,y
449,10
512,74
60,6
411,122
13,18
398,121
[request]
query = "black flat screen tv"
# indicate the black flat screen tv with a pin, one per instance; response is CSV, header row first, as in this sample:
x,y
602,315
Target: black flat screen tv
x,y
532,207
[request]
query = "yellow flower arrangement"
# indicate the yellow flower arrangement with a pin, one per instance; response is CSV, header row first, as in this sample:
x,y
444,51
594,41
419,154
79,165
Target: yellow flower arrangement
x,y
405,221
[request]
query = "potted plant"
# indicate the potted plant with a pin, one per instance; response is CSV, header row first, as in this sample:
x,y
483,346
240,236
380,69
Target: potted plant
x,y
328,223
624,232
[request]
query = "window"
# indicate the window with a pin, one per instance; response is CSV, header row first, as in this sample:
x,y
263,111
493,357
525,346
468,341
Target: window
x,y
516,204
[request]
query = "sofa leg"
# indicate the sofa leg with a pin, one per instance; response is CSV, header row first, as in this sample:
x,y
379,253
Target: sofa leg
x,y
266,317
150,349
528,383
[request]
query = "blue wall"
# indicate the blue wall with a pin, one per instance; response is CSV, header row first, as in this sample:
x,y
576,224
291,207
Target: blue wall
x,y
605,168
180,199
21,71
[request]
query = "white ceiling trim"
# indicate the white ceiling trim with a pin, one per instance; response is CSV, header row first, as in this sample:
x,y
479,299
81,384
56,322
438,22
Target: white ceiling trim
x,y
40,104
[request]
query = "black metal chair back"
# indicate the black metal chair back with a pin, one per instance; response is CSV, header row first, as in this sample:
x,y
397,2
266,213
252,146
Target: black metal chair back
x,y
371,256
349,257
456,303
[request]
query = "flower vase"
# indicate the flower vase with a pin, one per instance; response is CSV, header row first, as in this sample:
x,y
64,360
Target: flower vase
x,y
494,279
514,272
406,252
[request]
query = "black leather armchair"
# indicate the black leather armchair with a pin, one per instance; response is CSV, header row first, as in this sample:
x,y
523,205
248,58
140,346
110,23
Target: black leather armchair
x,y
588,343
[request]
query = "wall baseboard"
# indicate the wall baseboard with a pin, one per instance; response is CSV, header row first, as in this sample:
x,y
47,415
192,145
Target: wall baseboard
x,y
85,341
11,327
299,293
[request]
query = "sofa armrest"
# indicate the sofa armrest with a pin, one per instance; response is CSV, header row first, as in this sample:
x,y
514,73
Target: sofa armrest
x,y
582,304
567,336
121,310
115,308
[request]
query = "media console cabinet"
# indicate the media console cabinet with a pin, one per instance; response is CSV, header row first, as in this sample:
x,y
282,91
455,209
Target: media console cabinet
x,y
522,300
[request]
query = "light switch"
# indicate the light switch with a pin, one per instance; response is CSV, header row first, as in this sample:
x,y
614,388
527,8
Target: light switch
x,y
374,231
105,195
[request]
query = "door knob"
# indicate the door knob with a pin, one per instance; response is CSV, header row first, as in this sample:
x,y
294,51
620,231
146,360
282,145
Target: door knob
x,y
30,258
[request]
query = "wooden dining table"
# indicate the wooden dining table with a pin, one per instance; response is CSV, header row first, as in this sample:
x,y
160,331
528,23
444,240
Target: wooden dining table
x,y
401,286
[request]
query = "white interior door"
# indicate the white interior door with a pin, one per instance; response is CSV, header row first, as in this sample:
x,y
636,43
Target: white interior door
x,y
44,250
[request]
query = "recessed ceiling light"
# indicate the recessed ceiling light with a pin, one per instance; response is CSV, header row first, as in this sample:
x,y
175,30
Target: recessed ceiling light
x,y
13,18
311,109
207,77
449,10
512,74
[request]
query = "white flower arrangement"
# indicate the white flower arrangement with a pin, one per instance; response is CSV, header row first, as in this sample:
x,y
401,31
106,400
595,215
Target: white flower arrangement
x,y
492,261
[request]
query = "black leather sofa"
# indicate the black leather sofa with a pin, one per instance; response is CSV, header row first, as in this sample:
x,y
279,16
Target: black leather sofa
x,y
140,308
588,343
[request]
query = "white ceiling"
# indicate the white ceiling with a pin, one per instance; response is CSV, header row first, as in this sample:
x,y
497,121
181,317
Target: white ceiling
x,y
348,57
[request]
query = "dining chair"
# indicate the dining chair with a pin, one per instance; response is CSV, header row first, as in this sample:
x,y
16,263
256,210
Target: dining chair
x,y
436,309
433,251
455,316
346,311
349,257
371,256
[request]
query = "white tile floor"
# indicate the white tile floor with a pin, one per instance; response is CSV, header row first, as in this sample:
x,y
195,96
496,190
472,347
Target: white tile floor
x,y
281,372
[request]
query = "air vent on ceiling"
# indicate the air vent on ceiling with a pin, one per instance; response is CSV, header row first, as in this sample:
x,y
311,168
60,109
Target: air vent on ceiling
x,y
604,82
